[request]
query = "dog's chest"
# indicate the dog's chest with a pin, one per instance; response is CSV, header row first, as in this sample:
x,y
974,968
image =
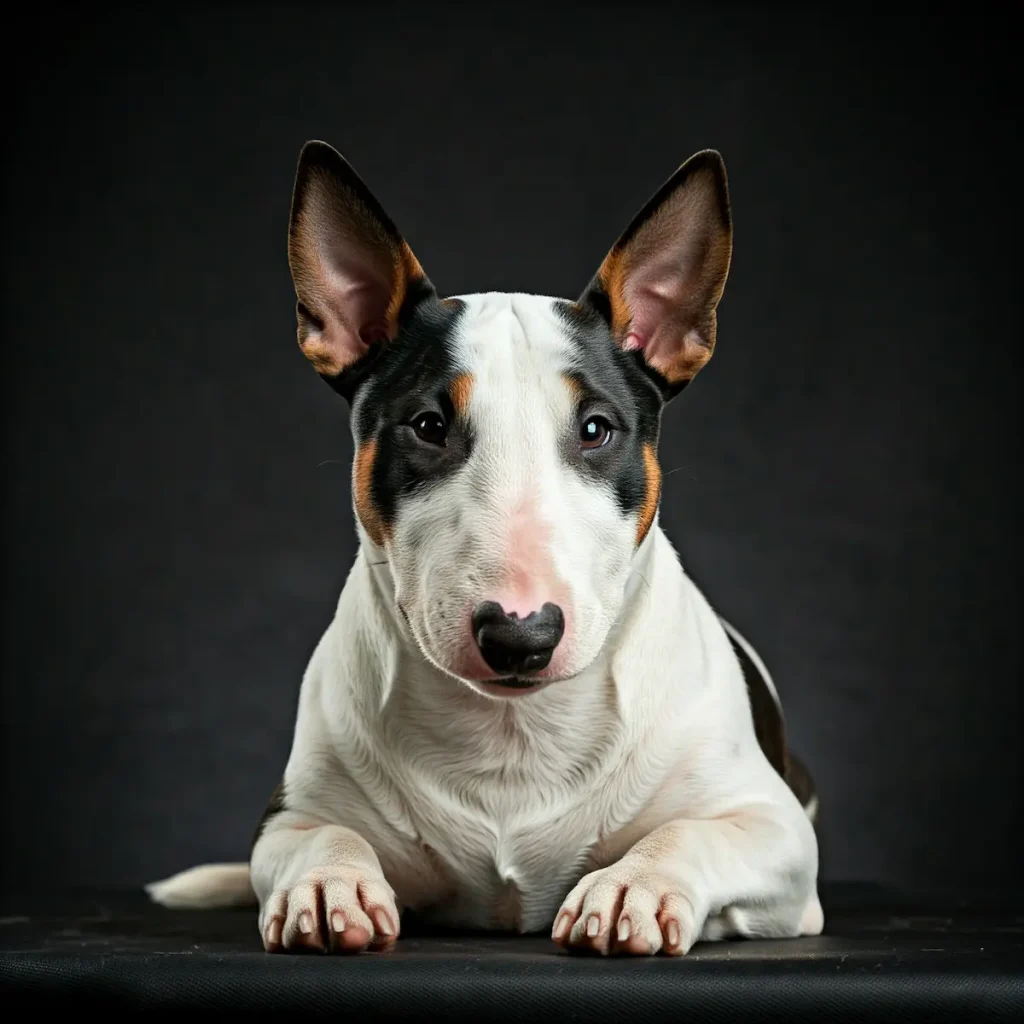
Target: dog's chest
x,y
490,816
509,867
499,844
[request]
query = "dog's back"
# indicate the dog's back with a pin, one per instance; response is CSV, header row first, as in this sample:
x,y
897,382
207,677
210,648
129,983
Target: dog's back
x,y
770,723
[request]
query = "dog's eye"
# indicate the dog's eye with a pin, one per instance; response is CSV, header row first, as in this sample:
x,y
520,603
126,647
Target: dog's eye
x,y
430,427
595,432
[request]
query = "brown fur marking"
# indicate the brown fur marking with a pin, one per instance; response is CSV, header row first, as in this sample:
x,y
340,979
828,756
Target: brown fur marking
x,y
321,355
613,279
693,356
573,386
362,493
407,270
459,392
650,505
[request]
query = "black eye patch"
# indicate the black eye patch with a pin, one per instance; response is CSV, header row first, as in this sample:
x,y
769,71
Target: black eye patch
x,y
415,378
610,383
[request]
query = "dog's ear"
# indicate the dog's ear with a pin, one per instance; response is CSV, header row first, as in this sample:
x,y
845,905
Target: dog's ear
x,y
354,274
659,286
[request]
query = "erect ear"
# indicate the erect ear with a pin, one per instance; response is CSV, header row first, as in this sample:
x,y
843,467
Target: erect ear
x,y
660,284
353,272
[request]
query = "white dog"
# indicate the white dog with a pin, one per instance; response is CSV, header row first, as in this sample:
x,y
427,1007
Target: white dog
x,y
524,714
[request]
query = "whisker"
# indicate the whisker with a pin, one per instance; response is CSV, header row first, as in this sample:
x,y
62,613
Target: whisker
x,y
331,462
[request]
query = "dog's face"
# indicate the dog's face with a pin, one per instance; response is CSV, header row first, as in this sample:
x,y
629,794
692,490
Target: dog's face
x,y
506,444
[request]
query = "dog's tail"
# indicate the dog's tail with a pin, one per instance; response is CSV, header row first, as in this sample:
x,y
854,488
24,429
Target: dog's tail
x,y
206,887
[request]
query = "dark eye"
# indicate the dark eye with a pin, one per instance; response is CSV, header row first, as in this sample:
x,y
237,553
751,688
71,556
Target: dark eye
x,y
595,432
430,427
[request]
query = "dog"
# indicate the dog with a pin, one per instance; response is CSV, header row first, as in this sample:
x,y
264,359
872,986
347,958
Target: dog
x,y
525,715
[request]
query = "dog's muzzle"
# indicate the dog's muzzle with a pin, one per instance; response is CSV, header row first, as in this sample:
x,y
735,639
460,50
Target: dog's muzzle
x,y
513,646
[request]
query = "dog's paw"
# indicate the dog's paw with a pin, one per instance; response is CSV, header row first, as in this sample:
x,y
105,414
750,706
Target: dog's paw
x,y
331,910
627,909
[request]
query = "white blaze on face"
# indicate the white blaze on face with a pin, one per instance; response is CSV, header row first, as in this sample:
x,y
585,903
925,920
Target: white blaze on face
x,y
507,516
517,524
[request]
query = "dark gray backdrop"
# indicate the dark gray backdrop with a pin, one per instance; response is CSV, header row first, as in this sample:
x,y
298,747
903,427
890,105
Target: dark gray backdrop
x,y
841,479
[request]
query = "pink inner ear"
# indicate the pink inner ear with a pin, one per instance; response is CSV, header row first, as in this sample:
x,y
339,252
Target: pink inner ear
x,y
665,280
652,297
355,292
658,298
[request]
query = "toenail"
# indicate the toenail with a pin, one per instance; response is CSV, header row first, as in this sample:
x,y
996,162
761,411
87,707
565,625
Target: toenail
x,y
338,921
624,929
274,932
561,925
593,926
382,923
306,924
672,930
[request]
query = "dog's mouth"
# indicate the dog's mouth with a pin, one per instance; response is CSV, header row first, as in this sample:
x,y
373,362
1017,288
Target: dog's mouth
x,y
511,686
516,683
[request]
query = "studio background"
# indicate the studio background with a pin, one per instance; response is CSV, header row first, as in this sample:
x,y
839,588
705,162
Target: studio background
x,y
841,479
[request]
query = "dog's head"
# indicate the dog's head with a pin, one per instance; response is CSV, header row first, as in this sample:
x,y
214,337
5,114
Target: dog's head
x,y
506,445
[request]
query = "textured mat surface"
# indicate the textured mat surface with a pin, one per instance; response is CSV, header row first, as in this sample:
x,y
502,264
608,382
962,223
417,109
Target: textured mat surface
x,y
883,957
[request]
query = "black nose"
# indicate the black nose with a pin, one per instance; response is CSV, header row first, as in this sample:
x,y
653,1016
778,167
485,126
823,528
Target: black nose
x,y
511,645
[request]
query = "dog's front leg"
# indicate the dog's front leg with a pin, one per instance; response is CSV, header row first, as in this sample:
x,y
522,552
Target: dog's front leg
x,y
749,873
321,887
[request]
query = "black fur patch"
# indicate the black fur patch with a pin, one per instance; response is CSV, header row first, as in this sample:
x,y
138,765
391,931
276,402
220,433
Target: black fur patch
x,y
406,377
618,386
770,729
274,807
769,726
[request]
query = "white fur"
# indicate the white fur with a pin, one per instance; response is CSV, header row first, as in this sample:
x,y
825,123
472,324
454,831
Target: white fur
x,y
221,885
513,523
634,775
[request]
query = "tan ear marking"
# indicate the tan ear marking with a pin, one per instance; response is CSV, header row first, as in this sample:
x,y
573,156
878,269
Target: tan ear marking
x,y
320,354
612,280
407,271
